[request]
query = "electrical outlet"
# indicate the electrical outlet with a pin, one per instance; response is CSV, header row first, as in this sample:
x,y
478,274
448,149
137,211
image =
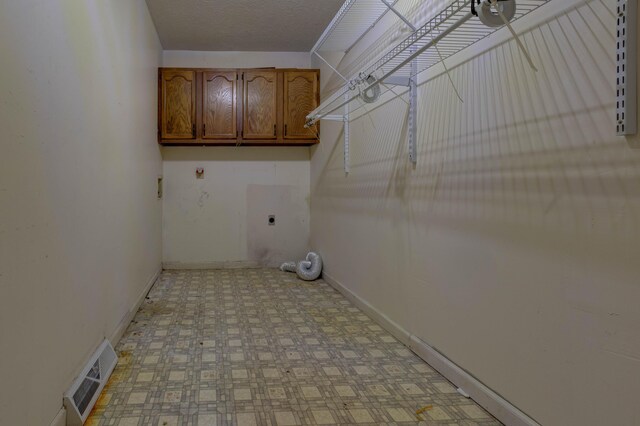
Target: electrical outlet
x,y
159,187
272,220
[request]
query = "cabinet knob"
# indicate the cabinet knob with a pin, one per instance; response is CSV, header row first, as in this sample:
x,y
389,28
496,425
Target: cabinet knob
x,y
275,126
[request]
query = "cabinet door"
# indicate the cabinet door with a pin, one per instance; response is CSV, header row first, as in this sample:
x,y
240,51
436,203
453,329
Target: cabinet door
x,y
219,105
259,109
178,88
300,98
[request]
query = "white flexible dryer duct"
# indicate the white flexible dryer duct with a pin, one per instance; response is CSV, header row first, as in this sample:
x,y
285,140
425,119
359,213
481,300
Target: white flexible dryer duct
x,y
311,268
288,267
308,269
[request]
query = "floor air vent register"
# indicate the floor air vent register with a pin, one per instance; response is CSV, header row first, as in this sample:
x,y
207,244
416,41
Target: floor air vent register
x,y
83,394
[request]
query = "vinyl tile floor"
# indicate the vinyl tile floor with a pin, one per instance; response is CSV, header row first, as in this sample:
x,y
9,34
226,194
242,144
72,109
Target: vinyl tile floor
x,y
260,347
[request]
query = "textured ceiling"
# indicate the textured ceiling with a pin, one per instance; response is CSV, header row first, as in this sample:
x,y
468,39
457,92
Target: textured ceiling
x,y
248,25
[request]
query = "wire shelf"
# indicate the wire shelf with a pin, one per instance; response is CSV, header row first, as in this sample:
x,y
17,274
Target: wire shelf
x,y
354,19
451,30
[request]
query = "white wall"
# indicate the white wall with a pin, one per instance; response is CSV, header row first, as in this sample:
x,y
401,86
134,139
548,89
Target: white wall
x,y
512,247
221,220
80,223
197,59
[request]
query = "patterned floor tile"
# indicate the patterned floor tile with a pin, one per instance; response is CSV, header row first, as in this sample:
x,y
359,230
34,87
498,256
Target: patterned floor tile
x,y
260,347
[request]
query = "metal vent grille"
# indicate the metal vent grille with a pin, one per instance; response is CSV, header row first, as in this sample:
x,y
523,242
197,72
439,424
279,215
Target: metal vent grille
x,y
82,396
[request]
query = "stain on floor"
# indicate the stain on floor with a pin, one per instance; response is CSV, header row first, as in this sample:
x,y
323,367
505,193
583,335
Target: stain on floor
x,y
260,347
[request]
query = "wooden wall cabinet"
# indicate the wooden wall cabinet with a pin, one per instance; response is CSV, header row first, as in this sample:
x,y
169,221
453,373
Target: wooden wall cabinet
x,y
219,105
301,96
260,105
178,104
236,106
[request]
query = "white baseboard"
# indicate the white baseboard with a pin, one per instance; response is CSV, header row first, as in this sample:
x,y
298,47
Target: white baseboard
x,y
126,320
60,419
386,322
235,264
499,407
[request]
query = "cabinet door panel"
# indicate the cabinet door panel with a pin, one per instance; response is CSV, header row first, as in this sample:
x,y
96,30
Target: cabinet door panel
x,y
259,109
219,105
300,98
178,104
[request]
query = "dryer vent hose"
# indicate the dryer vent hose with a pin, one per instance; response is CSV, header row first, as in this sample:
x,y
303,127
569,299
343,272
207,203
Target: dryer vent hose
x,y
308,269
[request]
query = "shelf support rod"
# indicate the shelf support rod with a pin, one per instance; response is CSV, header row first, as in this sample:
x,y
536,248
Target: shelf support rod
x,y
399,15
330,66
344,118
413,90
369,29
